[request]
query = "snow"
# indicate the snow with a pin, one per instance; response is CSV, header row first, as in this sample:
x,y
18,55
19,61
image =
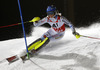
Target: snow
x,y
68,53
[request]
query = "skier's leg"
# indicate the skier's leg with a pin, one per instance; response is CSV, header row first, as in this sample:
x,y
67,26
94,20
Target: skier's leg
x,y
42,44
39,43
33,44
53,35
56,36
50,35
32,47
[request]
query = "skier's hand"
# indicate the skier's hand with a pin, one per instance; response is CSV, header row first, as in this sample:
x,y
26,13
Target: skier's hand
x,y
77,35
34,23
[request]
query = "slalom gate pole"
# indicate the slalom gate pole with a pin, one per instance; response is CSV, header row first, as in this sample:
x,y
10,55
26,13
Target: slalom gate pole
x,y
90,37
23,29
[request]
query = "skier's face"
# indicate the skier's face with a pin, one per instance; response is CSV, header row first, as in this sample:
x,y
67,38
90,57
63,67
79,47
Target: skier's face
x,y
51,16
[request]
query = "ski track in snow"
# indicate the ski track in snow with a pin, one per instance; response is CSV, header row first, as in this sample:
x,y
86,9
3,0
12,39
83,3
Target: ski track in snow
x,y
68,53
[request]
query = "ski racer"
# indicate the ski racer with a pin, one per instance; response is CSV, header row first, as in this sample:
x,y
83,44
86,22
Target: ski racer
x,y
56,32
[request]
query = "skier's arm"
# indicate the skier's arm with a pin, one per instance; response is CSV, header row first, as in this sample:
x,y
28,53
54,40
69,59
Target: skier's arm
x,y
70,25
40,22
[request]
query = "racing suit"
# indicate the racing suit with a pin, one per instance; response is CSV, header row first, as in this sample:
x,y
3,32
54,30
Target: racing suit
x,y
57,29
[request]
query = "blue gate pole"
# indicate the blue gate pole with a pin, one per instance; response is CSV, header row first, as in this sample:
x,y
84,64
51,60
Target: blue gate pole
x,y
23,28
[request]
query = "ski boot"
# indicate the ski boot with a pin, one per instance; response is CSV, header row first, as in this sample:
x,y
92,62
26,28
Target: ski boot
x,y
31,54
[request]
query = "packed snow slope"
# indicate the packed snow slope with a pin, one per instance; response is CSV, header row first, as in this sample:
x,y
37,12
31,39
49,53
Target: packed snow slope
x,y
68,53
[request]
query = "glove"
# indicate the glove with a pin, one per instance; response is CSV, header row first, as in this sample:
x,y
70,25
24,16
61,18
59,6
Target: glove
x,y
35,19
77,35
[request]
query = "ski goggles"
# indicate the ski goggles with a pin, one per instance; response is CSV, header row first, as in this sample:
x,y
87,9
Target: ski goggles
x,y
50,13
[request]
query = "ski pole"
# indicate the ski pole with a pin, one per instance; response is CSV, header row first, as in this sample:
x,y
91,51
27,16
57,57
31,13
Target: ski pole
x,y
23,28
90,37
33,20
13,24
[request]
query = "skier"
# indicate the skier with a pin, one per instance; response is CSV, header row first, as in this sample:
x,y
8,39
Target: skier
x,y
56,32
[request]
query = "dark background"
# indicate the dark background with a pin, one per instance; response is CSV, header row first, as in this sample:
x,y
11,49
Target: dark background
x,y
81,13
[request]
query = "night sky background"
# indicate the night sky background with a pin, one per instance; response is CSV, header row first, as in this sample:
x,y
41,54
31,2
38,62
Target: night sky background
x,y
81,13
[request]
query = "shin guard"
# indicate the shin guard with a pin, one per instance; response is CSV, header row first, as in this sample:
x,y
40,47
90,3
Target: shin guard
x,y
38,44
